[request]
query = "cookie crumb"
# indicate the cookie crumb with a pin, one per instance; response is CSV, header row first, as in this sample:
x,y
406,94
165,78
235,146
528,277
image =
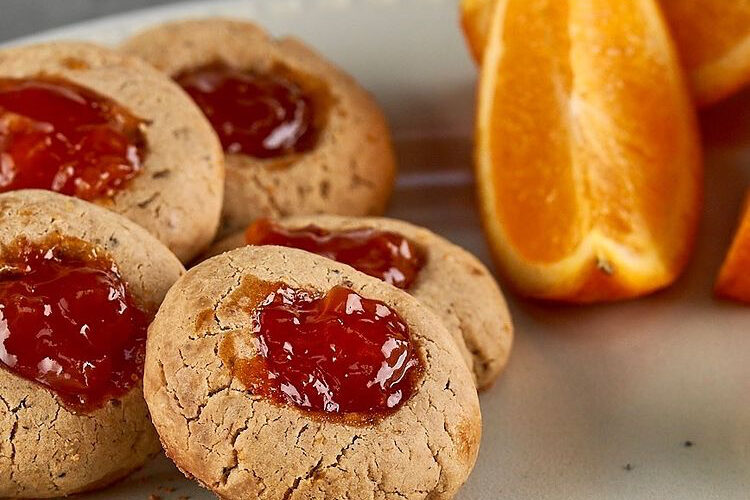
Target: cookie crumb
x,y
628,467
687,444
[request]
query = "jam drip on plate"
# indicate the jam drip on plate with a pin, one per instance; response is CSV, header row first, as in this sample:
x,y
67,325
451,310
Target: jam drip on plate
x,y
59,136
338,356
388,256
260,115
67,322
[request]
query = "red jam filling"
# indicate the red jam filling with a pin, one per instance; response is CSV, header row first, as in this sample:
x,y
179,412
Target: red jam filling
x,y
339,355
59,136
385,255
260,115
68,323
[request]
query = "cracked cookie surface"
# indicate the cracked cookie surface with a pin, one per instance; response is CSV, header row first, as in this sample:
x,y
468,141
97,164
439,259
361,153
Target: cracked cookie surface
x,y
453,283
240,445
177,195
350,170
49,450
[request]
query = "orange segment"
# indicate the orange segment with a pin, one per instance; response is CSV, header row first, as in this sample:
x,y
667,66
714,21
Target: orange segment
x,y
587,151
712,36
734,277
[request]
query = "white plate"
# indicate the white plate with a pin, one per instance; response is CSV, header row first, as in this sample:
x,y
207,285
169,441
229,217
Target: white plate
x,y
597,402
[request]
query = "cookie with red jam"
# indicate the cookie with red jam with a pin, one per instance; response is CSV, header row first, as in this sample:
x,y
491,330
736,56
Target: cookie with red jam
x,y
93,123
443,276
79,286
277,373
300,135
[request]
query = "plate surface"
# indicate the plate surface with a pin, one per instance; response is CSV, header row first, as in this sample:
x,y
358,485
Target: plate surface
x,y
646,399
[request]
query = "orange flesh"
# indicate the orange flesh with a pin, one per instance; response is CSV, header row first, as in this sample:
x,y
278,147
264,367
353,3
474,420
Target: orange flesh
x,y
542,193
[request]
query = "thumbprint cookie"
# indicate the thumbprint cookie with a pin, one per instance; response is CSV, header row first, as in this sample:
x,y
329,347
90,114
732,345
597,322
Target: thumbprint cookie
x,y
277,373
104,127
300,135
79,286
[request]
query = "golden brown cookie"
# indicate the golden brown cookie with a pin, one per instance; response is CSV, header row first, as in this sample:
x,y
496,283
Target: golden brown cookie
x,y
451,282
174,185
73,429
348,167
256,393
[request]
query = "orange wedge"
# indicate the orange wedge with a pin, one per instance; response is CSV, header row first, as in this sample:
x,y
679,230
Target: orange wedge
x,y
734,277
712,36
587,152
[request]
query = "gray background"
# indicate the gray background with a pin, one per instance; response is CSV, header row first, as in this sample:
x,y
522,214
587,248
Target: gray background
x,y
26,17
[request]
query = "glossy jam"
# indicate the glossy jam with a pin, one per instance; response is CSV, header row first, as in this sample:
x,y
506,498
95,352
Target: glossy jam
x,y
385,255
260,115
68,323
59,136
340,355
